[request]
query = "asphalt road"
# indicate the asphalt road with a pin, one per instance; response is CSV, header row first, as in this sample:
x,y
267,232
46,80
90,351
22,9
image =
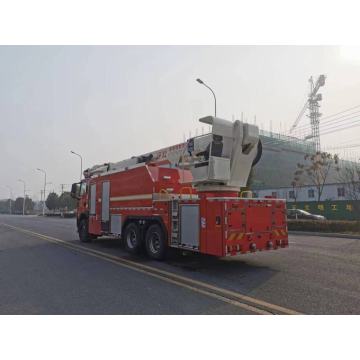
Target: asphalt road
x,y
44,269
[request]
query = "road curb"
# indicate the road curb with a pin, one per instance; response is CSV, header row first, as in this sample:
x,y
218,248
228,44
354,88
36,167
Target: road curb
x,y
334,235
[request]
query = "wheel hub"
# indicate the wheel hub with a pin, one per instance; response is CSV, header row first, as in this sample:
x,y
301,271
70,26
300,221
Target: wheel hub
x,y
131,239
154,243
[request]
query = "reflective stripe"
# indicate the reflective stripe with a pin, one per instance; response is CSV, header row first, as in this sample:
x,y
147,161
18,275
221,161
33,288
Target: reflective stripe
x,y
155,197
131,197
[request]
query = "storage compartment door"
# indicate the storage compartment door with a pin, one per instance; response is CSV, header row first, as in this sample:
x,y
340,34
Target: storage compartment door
x,y
94,221
189,226
105,204
92,199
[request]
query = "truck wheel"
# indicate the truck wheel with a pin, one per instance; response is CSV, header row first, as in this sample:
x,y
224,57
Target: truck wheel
x,y
132,238
84,231
155,242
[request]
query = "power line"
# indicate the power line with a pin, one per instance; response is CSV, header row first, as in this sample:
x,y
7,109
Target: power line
x,y
341,112
331,126
344,117
328,130
344,128
344,122
302,130
349,141
343,147
334,126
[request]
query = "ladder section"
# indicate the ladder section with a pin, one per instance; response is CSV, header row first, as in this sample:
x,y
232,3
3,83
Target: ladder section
x,y
175,231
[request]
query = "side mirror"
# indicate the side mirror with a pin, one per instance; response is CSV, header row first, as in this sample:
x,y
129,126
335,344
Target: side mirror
x,y
75,191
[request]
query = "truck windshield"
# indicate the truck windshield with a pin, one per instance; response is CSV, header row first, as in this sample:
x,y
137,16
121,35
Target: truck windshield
x,y
82,188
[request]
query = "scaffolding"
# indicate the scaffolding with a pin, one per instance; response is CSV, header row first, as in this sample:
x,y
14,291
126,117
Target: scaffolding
x,y
277,140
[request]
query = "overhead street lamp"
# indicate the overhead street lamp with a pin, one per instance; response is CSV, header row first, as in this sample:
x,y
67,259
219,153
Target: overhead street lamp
x,y
44,172
202,83
44,194
11,195
24,195
81,162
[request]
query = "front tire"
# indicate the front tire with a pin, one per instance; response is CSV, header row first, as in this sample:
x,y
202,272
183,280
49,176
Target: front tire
x,y
155,242
84,231
132,238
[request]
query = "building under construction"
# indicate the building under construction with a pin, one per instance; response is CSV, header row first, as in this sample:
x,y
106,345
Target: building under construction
x,y
275,171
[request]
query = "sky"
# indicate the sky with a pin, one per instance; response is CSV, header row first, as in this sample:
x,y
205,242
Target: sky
x,y
109,103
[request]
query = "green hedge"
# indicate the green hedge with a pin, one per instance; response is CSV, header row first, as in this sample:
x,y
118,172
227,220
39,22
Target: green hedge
x,y
330,226
332,210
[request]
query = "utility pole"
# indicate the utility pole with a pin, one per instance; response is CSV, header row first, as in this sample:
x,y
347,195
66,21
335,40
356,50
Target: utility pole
x,y
44,172
24,195
62,187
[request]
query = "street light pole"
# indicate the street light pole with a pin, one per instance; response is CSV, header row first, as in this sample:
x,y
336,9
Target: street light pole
x,y
202,83
11,195
44,172
24,195
81,162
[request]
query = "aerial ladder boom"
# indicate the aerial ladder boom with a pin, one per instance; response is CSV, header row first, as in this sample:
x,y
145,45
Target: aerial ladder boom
x,y
220,160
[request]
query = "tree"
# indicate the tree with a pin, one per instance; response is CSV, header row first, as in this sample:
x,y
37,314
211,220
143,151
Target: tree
x,y
5,206
296,186
66,201
18,205
29,205
298,181
349,175
317,169
52,201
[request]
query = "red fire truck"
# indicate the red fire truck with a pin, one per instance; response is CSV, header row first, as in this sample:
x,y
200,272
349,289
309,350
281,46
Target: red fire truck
x,y
186,196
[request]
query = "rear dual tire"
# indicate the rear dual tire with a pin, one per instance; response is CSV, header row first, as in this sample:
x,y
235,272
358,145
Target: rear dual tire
x,y
132,237
155,241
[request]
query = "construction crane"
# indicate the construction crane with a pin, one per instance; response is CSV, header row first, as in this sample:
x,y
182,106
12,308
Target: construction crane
x,y
312,104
